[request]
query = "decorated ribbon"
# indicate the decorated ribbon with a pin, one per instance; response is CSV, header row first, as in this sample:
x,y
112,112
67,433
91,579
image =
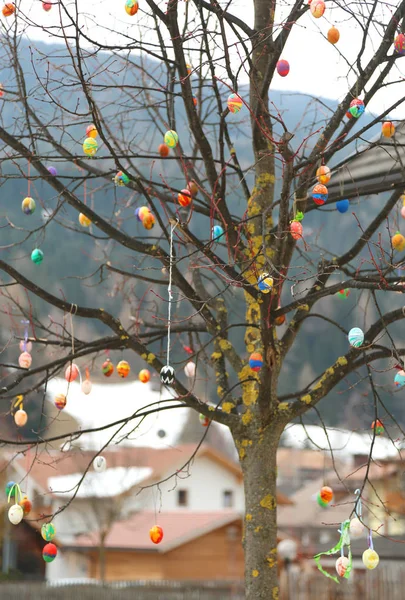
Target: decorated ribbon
x,y
26,324
370,540
18,493
343,541
357,504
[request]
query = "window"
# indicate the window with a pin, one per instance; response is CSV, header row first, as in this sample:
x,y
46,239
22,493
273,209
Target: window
x,y
227,499
182,497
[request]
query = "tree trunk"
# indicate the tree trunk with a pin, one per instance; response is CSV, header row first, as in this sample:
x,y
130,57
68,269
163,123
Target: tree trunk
x,y
258,461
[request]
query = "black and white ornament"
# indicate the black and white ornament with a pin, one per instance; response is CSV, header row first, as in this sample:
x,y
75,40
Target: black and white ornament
x,y
167,374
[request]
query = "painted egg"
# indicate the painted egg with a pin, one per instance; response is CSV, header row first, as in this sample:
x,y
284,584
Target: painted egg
x,y
8,9
296,230
171,138
87,386
46,6
163,150
15,514
323,174
234,103
26,505
167,374
123,368
333,35
148,221
204,420
280,320
265,283
99,464
37,256
320,194
356,108
107,368
356,529
378,427
25,360
121,179
217,233
60,401
283,68
399,379
321,502
28,206
189,370
144,376
20,418
256,361
10,490
84,221
195,101
399,43
317,8
48,531
370,559
131,7
141,213
156,534
356,337
343,293
342,564
184,197
52,171
398,242
342,206
388,129
91,131
403,212
90,146
189,69
49,552
326,494
192,187
71,372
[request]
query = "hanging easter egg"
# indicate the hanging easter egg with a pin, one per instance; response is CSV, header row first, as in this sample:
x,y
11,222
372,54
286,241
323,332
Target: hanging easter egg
x,y
280,320
342,565
234,103
217,233
121,179
52,171
356,528
321,502
46,6
317,8
90,146
189,69
144,376
20,418
123,368
342,206
399,379
71,372
26,505
323,174
189,370
48,531
204,420
184,197
25,346
399,43
356,108
283,68
356,337
49,552
10,489
87,386
107,368
320,194
28,206
265,283
25,360
148,221
141,212
99,464
84,221
343,293
37,256
195,101
167,374
131,7
256,361
296,230
403,212
378,427
8,9
91,131
171,138
192,188
370,559
326,494
60,401
398,242
349,115
163,150
156,534
333,35
15,514
388,129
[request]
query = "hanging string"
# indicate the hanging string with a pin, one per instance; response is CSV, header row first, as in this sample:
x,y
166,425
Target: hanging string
x,y
169,293
29,180
358,508
26,324
370,540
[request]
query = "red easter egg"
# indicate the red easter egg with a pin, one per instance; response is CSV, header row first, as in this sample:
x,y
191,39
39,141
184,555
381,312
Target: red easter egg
x,y
71,372
296,230
156,534
163,150
184,197
283,68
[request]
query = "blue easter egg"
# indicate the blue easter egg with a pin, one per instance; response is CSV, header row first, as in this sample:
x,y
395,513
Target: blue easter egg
x,y
342,205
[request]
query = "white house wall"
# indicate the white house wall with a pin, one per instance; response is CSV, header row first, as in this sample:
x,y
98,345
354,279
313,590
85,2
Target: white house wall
x,y
68,565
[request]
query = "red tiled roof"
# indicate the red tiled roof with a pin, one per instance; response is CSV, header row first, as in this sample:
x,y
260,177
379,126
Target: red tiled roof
x,y
179,527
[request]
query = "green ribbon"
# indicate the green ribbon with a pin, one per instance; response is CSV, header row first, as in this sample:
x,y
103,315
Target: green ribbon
x,y
17,493
344,541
